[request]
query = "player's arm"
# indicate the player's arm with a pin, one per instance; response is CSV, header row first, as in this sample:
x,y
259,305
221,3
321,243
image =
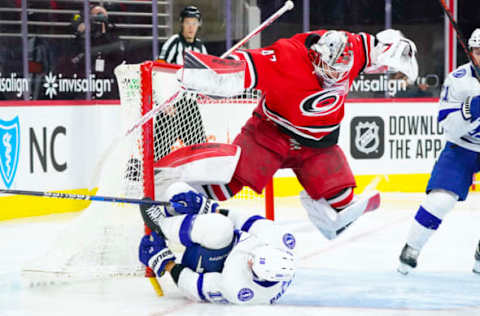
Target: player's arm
x,y
457,115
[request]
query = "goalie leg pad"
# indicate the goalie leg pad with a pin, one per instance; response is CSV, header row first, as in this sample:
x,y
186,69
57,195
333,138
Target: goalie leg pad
x,y
200,163
332,223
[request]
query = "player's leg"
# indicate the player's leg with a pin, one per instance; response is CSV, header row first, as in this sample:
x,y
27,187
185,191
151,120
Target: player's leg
x,y
263,149
329,199
427,220
449,182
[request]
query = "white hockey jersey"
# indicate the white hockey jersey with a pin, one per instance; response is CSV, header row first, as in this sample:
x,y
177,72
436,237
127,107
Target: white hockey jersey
x,y
459,85
236,283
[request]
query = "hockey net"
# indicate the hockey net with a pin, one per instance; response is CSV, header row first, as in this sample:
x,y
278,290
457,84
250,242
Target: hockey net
x,y
102,242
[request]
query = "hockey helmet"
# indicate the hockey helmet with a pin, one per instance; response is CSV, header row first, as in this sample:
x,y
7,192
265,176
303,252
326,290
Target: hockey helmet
x,y
272,264
474,40
190,12
332,57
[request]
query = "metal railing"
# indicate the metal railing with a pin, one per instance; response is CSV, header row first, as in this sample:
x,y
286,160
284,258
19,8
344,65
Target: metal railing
x,y
35,18
165,26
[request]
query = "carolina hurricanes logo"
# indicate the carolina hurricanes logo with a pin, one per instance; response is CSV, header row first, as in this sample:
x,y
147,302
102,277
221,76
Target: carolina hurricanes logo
x,y
321,103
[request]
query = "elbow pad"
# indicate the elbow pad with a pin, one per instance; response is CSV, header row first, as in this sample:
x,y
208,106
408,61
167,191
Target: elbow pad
x,y
471,108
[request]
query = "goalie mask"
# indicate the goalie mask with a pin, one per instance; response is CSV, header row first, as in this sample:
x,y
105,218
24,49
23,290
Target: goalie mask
x,y
474,41
332,57
272,264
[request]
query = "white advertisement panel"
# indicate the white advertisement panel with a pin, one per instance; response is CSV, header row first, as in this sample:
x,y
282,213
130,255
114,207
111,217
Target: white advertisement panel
x,y
53,147
391,138
57,147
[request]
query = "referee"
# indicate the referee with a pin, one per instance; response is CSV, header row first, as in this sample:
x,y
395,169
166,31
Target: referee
x,y
182,124
173,49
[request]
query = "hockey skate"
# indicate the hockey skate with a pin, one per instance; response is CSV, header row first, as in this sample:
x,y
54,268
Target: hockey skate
x,y
408,259
476,265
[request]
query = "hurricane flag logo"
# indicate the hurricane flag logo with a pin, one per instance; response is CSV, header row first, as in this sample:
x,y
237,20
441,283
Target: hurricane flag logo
x,y
9,149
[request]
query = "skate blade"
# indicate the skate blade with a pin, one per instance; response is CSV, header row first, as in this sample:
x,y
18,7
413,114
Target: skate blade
x,y
476,267
404,269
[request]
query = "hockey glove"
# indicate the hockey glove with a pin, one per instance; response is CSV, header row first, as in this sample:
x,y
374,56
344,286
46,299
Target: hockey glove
x,y
193,203
153,214
153,252
471,108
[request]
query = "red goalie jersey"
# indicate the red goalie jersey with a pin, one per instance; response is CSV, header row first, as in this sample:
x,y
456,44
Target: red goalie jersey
x,y
294,97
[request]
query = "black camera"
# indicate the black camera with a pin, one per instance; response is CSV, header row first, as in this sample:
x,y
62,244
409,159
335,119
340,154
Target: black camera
x,y
430,80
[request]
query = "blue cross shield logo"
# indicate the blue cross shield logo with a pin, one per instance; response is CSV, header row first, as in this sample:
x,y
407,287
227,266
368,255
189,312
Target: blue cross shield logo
x,y
9,149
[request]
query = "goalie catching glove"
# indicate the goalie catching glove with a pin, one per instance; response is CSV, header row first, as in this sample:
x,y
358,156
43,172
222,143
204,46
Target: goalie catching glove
x,y
154,253
397,53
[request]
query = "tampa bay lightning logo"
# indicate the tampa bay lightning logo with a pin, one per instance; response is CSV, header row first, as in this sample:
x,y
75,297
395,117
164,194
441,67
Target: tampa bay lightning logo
x,y
9,149
321,103
289,240
460,73
245,294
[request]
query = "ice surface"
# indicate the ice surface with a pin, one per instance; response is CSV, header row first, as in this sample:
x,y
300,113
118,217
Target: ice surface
x,y
352,275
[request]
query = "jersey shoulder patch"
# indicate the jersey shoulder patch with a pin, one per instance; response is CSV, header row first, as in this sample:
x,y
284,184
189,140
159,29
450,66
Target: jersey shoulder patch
x,y
459,73
245,294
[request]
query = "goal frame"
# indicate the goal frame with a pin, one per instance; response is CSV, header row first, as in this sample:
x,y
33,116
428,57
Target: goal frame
x,y
146,70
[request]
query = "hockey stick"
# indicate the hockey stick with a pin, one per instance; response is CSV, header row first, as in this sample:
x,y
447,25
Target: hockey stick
x,y
476,67
287,6
99,198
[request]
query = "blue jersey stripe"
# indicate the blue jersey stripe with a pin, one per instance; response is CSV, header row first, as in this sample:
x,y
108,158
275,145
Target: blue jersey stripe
x,y
442,114
249,222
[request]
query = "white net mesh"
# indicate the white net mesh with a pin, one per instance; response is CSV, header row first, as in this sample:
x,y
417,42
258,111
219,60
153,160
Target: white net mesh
x,y
102,242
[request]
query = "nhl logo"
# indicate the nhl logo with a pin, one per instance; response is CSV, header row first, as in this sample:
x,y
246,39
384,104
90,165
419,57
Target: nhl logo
x,y
9,149
367,135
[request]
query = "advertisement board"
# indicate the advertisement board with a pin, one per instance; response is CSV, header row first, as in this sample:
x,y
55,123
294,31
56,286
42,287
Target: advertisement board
x,y
56,145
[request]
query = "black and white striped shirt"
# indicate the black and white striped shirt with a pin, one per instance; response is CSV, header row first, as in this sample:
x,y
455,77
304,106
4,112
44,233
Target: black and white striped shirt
x,y
173,49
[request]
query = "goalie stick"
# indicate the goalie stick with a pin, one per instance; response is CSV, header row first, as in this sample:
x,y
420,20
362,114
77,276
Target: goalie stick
x,y
287,6
445,9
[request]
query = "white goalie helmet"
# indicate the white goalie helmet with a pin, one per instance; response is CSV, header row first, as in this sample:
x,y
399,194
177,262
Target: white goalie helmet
x,y
332,57
474,40
272,264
